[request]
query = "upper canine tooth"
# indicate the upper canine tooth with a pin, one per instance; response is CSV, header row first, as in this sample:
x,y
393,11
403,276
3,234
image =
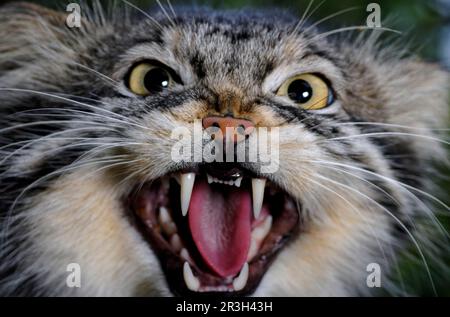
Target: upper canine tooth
x,y
191,281
187,184
240,282
258,186
210,178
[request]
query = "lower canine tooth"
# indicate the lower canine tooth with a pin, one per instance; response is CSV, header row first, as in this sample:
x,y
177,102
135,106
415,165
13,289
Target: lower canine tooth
x,y
240,282
258,186
210,178
187,184
191,281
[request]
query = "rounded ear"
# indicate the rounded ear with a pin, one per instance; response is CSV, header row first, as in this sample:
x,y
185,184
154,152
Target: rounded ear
x,y
36,40
419,95
26,30
26,9
403,92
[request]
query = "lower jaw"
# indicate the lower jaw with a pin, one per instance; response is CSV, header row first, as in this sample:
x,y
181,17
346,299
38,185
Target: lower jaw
x,y
145,207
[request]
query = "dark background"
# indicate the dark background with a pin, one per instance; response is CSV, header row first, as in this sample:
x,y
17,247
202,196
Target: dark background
x,y
426,26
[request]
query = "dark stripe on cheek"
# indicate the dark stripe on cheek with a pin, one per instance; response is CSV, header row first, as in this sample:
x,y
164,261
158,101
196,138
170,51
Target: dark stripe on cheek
x,y
12,186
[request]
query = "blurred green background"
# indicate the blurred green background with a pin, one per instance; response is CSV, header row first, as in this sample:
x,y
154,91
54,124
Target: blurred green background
x,y
426,26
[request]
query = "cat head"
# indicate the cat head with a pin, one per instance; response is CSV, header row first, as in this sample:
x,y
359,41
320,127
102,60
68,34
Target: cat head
x,y
89,174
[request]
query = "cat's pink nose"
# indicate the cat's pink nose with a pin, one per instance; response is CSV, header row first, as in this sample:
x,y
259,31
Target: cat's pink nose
x,y
230,127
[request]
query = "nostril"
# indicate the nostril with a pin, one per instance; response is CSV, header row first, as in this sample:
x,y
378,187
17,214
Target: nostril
x,y
240,127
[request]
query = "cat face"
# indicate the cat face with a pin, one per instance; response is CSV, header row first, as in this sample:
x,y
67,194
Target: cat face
x,y
88,168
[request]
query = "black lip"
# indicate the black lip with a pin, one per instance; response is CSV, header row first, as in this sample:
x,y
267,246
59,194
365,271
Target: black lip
x,y
172,264
225,171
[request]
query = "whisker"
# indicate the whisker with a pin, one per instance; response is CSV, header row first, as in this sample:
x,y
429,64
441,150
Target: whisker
x,y
172,9
47,137
382,124
331,16
49,122
378,134
386,179
148,16
95,172
72,112
429,212
351,28
303,18
103,76
77,103
165,13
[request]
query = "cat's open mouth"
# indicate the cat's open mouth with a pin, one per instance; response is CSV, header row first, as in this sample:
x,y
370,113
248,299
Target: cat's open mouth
x,y
215,229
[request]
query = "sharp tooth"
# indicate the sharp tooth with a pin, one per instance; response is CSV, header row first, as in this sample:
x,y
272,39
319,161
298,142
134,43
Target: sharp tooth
x,y
240,282
167,224
187,184
210,178
238,182
258,186
191,281
261,232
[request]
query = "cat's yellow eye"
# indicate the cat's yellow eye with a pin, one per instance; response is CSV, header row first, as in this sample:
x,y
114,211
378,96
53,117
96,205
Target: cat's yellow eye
x,y
308,91
146,79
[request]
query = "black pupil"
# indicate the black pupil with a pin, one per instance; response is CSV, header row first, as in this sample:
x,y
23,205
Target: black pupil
x,y
156,80
300,91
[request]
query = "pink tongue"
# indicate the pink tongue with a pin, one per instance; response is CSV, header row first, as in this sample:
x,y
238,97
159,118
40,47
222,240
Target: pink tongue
x,y
221,227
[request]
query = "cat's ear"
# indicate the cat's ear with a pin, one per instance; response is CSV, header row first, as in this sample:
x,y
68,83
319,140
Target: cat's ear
x,y
24,12
33,36
22,22
417,95
403,92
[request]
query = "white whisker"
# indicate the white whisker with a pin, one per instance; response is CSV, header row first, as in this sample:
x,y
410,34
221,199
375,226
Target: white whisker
x,y
381,134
